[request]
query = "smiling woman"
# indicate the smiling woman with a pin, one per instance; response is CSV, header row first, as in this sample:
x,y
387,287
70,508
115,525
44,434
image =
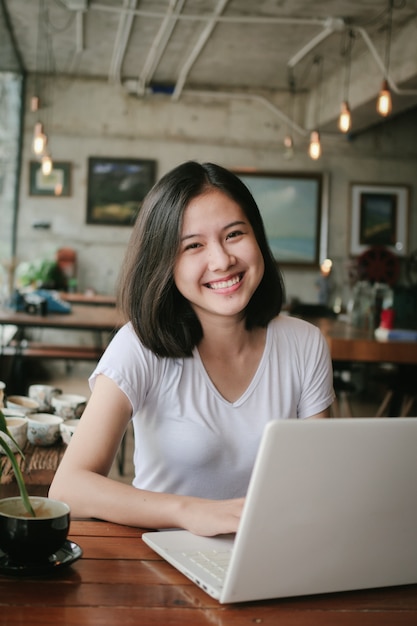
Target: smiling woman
x,y
202,364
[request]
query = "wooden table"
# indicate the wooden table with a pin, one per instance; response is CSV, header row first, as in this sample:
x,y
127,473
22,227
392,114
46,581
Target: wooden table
x,y
119,580
97,299
82,317
348,343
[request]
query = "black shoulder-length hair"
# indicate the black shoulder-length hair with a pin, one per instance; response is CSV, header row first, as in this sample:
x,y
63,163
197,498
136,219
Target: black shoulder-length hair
x,y
161,317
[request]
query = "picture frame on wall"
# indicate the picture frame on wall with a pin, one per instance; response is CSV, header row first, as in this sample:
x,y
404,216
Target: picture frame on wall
x,y
291,207
379,217
117,188
56,184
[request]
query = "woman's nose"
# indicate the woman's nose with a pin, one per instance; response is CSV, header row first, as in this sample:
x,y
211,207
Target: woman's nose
x,y
219,258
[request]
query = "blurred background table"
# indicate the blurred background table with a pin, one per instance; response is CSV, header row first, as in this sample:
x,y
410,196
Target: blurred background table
x,y
348,343
97,324
392,363
88,298
81,317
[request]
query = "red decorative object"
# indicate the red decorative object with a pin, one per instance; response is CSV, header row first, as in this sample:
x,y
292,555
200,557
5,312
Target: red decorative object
x,y
378,265
66,259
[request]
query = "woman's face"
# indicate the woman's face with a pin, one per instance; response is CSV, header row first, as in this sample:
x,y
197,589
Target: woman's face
x,y
219,264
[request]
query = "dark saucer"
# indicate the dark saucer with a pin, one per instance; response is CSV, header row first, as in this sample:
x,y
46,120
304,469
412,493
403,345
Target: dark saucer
x,y
66,555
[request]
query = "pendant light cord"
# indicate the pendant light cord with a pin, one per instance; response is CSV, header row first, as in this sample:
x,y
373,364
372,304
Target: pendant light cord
x,y
388,38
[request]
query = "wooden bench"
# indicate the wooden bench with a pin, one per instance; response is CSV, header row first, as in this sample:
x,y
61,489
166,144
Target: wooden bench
x,y
36,350
15,372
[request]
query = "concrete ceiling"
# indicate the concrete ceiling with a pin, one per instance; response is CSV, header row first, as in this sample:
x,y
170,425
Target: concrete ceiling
x,y
255,49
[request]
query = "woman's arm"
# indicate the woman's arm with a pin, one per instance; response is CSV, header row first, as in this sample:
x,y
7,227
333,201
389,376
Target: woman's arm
x,y
325,413
81,479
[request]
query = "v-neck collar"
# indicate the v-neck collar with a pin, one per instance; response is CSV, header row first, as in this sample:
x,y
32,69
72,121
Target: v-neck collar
x,y
253,383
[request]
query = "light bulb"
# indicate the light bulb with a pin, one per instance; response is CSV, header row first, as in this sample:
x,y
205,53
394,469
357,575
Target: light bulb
x,y
326,267
39,139
46,165
39,144
314,149
58,189
34,103
345,118
288,142
384,103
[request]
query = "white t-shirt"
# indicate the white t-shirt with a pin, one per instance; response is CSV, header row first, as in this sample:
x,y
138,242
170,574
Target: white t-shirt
x,y
190,440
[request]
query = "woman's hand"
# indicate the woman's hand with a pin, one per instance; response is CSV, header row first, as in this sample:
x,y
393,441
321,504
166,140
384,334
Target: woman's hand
x,y
210,517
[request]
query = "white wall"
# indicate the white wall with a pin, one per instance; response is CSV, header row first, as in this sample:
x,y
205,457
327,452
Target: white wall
x,y
90,118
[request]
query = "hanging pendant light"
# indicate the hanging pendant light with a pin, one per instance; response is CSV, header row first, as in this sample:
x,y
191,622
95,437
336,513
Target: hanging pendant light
x,y
314,148
37,103
384,102
345,117
288,139
288,142
58,188
46,165
34,103
39,140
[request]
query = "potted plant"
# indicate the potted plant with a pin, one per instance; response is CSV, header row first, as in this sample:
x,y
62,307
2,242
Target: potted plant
x,y
40,273
31,528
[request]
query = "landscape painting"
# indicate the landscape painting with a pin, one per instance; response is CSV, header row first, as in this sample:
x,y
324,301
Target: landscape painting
x,y
290,205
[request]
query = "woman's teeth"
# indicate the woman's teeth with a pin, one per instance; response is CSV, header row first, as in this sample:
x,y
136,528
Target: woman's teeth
x,y
224,284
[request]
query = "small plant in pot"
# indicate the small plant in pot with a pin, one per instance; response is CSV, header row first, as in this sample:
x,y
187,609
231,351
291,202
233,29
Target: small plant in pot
x,y
32,529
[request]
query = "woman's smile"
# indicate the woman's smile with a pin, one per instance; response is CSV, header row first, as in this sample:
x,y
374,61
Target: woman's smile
x,y
226,283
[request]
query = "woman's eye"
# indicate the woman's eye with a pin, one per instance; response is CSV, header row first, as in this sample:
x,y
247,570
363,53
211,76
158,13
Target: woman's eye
x,y
234,233
192,246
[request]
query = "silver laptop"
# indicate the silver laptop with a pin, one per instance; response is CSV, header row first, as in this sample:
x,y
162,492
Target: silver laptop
x,y
331,506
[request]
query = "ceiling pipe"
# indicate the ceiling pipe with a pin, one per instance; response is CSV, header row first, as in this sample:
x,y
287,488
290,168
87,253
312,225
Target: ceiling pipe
x,y
201,42
131,89
230,95
79,39
237,19
381,65
79,32
122,37
159,44
332,25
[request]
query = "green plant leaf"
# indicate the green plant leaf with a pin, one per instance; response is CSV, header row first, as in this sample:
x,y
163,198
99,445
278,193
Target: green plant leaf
x,y
5,430
16,469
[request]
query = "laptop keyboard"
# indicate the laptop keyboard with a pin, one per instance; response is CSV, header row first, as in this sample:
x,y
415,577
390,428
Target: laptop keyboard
x,y
212,561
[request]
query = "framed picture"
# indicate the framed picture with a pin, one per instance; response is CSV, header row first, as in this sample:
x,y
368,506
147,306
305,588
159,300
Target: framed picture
x,y
379,217
116,189
56,184
290,205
